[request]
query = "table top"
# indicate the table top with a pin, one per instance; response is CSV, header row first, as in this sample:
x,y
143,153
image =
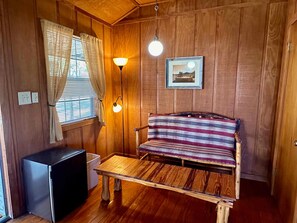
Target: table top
x,y
193,182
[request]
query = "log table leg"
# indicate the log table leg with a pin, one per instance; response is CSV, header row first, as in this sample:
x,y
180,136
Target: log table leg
x,y
222,213
117,184
105,188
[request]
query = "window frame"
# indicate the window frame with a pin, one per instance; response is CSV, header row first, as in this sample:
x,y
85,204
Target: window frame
x,y
90,99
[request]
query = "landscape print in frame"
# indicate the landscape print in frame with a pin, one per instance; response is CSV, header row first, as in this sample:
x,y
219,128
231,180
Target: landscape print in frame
x,y
184,72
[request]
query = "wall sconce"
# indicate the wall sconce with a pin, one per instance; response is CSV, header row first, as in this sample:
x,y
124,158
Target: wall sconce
x,y
120,62
117,107
155,48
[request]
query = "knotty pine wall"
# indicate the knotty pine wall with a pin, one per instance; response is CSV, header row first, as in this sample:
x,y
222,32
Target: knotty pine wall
x,y
241,42
22,68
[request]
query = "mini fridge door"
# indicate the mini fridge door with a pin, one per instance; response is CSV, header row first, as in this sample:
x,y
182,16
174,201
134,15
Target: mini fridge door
x,y
68,185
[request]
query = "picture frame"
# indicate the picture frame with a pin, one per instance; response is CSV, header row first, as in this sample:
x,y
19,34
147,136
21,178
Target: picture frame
x,y
184,72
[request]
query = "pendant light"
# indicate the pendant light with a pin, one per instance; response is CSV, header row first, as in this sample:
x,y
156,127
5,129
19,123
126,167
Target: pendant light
x,y
155,48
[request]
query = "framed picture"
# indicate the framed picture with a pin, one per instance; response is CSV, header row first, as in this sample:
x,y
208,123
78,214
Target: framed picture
x,y
184,72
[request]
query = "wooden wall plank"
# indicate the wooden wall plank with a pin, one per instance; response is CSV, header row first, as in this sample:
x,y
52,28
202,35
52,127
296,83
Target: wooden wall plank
x,y
109,115
83,24
22,20
8,121
185,33
185,5
88,138
228,22
202,4
205,45
119,50
66,15
132,86
73,138
127,44
269,86
47,9
248,79
165,97
227,2
148,75
98,30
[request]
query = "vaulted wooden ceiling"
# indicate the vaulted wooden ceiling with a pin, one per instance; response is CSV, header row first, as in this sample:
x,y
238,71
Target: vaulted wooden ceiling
x,y
111,11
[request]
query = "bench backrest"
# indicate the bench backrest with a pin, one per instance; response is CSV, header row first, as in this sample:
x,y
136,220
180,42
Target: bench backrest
x,y
204,132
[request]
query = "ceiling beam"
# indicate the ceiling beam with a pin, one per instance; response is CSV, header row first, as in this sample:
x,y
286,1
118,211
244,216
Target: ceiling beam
x,y
135,2
191,12
153,3
125,15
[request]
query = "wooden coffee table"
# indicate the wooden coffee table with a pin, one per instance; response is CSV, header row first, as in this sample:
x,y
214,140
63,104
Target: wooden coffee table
x,y
213,187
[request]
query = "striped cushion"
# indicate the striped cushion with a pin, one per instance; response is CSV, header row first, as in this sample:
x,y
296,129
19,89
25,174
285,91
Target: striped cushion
x,y
202,132
216,156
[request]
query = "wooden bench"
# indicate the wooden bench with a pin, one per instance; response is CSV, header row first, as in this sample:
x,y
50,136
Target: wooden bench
x,y
200,137
213,187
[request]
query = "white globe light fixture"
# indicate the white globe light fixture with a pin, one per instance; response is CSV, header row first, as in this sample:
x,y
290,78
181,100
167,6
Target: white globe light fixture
x,y
155,47
116,107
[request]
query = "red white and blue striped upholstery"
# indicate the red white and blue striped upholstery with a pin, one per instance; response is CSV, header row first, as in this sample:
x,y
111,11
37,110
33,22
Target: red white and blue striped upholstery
x,y
215,156
203,139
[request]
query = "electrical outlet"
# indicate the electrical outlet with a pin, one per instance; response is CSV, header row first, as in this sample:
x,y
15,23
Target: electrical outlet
x,y
24,98
34,97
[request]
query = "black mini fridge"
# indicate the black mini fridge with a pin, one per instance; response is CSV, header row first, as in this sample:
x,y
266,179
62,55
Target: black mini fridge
x,y
55,182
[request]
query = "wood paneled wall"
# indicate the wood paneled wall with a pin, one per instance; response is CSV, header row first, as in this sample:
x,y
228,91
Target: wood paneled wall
x,y
22,66
86,134
241,42
284,182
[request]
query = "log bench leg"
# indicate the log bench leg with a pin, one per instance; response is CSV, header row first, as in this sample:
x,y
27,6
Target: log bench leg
x,y
222,213
105,188
117,185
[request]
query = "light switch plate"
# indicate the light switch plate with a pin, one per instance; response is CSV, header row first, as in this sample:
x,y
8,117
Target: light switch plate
x,y
24,98
34,97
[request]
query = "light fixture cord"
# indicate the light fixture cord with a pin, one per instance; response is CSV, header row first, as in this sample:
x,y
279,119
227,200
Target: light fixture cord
x,y
156,9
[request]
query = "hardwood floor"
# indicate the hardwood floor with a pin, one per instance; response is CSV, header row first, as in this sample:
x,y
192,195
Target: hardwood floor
x,y
137,203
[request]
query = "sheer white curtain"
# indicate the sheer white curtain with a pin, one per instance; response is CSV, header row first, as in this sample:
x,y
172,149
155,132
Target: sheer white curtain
x,y
57,50
93,52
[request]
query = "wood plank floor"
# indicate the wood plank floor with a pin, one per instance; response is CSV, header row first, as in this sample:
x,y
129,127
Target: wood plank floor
x,y
138,203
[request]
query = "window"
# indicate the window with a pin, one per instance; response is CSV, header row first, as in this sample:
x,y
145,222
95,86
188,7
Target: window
x,y
77,101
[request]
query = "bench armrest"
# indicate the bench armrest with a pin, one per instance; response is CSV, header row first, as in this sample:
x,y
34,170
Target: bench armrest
x,y
237,138
140,128
137,138
238,164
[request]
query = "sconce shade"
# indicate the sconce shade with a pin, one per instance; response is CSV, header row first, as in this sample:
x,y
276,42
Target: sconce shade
x,y
116,107
120,62
155,47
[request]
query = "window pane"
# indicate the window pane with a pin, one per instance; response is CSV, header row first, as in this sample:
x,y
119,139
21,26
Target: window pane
x,y
77,100
79,51
72,68
85,106
61,111
76,111
82,70
69,110
73,49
